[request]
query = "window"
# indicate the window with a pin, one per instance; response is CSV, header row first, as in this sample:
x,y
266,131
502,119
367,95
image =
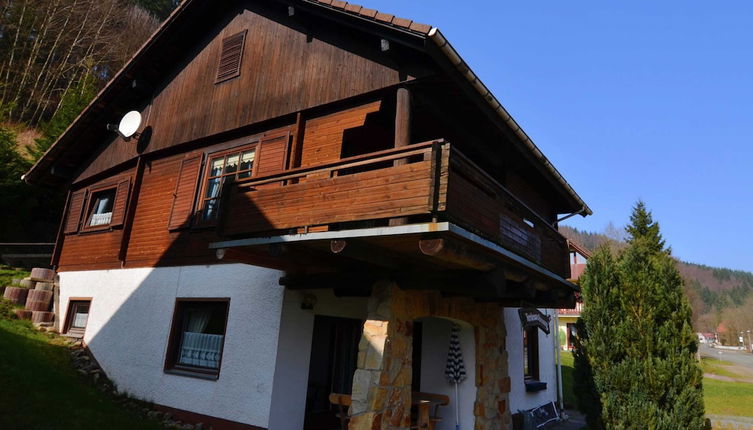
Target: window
x,y
531,354
97,208
238,164
101,208
77,317
197,337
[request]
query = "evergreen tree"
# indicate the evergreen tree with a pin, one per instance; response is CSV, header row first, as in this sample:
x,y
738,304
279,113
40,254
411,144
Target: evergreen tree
x,y
643,226
635,359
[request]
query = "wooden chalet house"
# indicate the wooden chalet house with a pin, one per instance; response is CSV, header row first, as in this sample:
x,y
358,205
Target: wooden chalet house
x,y
316,190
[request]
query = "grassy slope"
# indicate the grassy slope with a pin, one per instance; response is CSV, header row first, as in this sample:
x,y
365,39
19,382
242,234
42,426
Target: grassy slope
x,y
721,397
7,274
39,389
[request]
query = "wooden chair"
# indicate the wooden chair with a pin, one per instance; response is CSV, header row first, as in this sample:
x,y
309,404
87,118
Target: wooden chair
x,y
435,400
342,401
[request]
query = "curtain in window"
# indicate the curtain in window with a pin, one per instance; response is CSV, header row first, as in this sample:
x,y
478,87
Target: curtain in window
x,y
79,320
103,203
198,348
201,349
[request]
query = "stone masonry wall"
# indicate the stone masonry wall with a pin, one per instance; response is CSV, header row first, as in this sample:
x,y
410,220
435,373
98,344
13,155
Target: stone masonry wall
x,y
382,383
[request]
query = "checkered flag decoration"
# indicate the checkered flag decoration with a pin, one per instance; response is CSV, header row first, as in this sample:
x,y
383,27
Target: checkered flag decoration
x,y
455,369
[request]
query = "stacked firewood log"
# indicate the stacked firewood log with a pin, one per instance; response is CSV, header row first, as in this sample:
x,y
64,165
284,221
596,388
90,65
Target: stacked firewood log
x,y
36,294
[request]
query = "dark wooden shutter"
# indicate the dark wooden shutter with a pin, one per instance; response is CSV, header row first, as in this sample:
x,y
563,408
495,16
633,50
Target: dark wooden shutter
x,y
75,208
231,56
185,191
121,202
272,156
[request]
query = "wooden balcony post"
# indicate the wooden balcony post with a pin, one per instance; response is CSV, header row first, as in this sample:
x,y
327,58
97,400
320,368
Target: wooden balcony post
x,y
402,133
402,118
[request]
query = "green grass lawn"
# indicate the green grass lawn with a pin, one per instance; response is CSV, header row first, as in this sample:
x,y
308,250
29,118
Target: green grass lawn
x,y
728,398
568,379
39,388
721,397
8,273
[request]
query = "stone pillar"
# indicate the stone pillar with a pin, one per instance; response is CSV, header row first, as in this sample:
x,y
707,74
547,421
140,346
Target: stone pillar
x,y
382,383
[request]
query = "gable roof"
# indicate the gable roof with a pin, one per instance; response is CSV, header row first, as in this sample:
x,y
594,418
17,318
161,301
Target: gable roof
x,y
423,32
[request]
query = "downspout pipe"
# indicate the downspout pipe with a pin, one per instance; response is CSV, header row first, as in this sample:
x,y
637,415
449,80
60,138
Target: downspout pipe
x,y
438,39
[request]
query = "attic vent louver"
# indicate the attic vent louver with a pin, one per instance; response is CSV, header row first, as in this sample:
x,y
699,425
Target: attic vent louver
x,y
230,57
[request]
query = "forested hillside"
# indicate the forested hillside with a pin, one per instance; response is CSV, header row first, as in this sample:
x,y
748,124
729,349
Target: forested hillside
x,y
721,298
55,55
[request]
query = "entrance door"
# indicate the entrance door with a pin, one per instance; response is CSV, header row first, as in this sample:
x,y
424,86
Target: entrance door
x,y
334,357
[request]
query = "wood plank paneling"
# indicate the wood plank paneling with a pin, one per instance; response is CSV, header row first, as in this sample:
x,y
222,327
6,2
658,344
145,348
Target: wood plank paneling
x,y
282,72
323,136
480,206
383,193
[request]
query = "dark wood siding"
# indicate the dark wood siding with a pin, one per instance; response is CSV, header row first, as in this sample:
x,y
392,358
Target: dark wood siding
x,y
281,73
323,137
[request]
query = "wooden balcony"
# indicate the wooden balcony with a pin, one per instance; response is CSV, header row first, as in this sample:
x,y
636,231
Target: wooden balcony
x,y
420,183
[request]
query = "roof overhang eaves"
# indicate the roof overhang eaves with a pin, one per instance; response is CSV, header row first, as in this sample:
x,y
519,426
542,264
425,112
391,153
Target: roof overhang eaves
x,y
450,54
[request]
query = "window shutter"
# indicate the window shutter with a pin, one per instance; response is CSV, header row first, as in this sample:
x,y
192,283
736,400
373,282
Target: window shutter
x,y
230,57
121,202
75,208
272,156
185,191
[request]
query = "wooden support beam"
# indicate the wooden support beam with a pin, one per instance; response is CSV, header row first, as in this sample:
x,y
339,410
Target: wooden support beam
x,y
487,285
402,118
358,251
402,133
464,255
344,282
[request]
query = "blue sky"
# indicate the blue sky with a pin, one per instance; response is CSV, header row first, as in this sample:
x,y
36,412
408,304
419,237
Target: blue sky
x,y
630,100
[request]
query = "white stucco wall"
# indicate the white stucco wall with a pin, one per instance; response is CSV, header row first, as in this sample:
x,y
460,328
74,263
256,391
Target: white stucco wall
x,y
519,399
435,342
294,351
129,325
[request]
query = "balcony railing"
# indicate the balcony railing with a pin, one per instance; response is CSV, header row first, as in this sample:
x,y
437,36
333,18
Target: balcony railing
x,y
417,183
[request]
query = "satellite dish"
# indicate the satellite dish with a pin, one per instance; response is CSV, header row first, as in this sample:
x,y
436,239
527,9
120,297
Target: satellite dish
x,y
130,124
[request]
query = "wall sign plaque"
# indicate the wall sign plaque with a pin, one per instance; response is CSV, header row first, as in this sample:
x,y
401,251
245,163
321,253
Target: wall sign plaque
x,y
532,317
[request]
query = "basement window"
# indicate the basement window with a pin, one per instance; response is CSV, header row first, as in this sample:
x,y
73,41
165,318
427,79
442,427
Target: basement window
x,y
197,337
77,317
